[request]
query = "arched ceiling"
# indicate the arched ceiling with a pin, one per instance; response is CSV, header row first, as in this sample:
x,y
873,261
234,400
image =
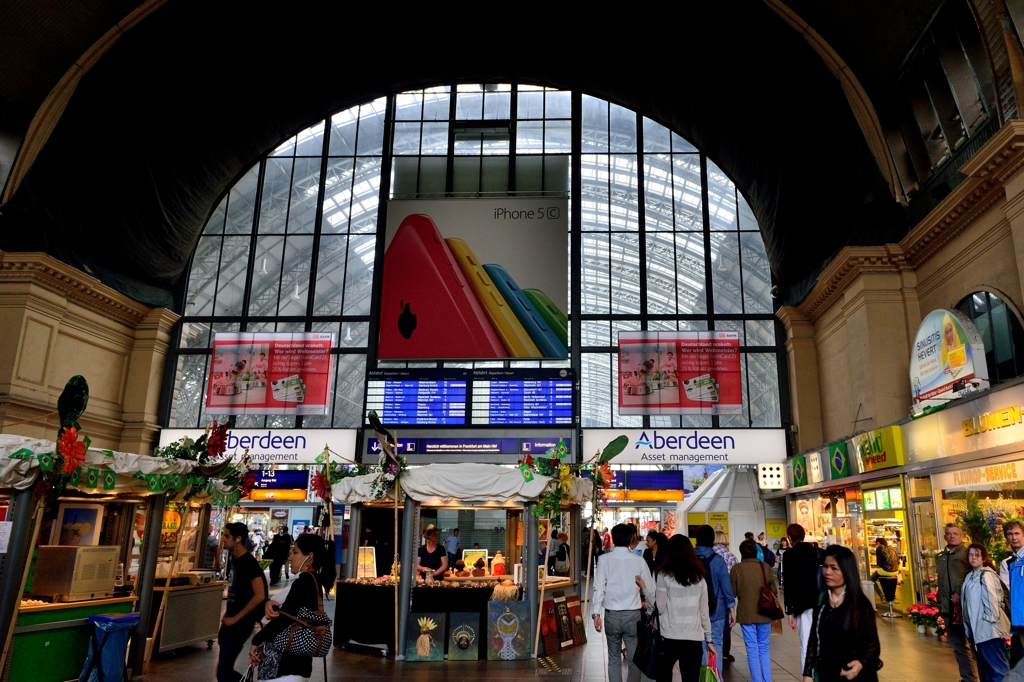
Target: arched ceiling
x,y
186,100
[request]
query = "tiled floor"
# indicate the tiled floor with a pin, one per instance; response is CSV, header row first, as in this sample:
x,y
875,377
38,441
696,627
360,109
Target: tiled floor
x,y
908,657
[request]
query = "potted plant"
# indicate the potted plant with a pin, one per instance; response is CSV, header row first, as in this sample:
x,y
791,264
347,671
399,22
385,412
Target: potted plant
x,y
923,616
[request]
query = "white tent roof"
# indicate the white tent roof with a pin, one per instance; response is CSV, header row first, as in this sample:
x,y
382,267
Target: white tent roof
x,y
19,463
463,483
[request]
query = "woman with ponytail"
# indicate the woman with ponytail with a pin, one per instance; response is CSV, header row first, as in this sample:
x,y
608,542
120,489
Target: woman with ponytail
x,y
310,564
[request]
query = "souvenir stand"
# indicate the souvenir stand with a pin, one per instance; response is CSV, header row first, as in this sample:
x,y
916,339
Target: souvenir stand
x,y
447,486
44,602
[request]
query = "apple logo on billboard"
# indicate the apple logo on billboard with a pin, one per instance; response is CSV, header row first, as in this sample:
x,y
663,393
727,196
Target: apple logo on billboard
x,y
406,321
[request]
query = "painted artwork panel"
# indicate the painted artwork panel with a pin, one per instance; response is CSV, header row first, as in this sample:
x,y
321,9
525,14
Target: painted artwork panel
x,y
508,630
464,637
425,637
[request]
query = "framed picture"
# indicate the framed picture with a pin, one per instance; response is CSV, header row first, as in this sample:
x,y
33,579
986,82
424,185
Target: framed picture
x,y
77,524
470,556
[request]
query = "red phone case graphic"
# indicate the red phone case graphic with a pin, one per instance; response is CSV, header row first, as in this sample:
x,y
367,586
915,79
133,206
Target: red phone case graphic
x,y
427,308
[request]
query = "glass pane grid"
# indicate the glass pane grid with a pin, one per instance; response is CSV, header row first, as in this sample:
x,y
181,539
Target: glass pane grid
x,y
667,289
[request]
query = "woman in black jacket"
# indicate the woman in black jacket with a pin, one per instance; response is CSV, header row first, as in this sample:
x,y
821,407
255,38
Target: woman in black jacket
x,y
843,643
308,561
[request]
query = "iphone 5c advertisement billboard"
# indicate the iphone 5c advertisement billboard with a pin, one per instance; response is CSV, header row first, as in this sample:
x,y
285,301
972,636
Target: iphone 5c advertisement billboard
x,y
253,373
680,373
475,279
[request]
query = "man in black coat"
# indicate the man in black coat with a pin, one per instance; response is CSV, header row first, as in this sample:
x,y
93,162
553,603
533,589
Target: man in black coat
x,y
277,552
803,567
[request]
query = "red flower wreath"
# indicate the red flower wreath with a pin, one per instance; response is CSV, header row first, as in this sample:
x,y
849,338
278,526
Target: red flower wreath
x,y
71,449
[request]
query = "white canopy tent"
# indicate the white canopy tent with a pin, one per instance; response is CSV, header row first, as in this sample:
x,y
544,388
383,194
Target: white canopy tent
x,y
734,490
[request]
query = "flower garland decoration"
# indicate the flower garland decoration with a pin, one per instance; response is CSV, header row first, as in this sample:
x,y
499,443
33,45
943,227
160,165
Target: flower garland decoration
x,y
60,468
215,473
390,466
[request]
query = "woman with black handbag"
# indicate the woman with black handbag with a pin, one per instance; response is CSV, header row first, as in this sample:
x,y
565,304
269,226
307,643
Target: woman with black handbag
x,y
308,561
843,643
681,602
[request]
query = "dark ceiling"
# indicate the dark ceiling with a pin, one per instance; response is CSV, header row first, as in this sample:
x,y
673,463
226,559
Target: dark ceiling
x,y
187,100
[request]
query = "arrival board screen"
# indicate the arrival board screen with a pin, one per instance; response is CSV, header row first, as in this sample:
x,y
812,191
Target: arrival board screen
x,y
446,397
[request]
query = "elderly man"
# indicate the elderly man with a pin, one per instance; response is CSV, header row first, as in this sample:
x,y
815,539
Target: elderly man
x,y
952,568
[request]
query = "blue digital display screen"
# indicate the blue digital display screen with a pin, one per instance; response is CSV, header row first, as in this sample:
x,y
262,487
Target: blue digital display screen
x,y
282,479
479,397
527,402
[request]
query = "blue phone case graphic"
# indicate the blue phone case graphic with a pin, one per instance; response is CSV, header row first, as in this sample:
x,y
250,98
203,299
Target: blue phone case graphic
x,y
545,338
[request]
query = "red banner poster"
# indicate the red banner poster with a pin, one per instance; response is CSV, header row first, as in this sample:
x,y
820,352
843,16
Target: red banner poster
x,y
680,373
270,374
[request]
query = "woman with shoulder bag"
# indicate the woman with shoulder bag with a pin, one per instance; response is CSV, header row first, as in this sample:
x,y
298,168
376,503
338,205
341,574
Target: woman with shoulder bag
x,y
752,582
307,560
843,642
985,622
681,599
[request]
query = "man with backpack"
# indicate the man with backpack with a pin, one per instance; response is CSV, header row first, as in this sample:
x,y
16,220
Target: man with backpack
x,y
803,568
721,602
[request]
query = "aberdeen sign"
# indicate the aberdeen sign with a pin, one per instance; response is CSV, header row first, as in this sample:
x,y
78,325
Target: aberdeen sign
x,y
691,446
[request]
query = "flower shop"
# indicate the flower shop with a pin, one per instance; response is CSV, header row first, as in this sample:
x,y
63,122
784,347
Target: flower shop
x,y
489,604
88,532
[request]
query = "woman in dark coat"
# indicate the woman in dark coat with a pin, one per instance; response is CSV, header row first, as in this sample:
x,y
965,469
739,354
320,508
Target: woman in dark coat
x,y
307,560
843,644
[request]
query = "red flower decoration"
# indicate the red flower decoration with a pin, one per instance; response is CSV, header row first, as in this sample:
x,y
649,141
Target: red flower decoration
x,y
528,461
217,441
607,475
43,486
71,449
248,483
322,486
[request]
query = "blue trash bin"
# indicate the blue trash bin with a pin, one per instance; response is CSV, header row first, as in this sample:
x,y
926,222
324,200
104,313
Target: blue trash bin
x,y
108,648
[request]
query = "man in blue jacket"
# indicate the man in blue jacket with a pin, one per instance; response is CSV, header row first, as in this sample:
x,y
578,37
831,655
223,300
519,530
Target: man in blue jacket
x,y
724,612
1011,571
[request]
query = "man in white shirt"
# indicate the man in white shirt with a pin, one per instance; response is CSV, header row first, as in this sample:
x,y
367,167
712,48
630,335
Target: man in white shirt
x,y
617,601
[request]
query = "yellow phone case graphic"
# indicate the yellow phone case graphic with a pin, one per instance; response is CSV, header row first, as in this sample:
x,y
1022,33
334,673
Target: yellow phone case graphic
x,y
510,330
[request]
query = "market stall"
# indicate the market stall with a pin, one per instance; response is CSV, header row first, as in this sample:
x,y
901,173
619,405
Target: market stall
x,y
89,533
463,602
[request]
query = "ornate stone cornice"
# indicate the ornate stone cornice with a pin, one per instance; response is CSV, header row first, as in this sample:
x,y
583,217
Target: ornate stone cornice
x,y
987,173
75,285
851,263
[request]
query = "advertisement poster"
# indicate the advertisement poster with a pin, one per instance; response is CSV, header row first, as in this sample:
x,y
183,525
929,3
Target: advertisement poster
x,y
680,373
719,521
270,374
475,278
948,358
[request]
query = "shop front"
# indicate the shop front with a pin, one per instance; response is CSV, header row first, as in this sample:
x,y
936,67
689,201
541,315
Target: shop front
x,y
664,470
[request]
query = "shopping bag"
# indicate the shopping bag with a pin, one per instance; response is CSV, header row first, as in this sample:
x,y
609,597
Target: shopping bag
x,y
776,627
649,645
709,672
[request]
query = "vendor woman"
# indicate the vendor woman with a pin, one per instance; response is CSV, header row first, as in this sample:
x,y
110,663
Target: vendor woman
x,y
432,557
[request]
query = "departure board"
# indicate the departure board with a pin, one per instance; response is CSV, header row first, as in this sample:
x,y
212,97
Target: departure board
x,y
471,397
418,401
528,402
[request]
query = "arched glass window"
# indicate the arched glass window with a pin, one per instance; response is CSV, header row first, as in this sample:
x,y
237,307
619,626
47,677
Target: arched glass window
x,y
1002,332
666,242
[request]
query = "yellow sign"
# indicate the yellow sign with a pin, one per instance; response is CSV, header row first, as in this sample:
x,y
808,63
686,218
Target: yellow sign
x,y
719,521
293,495
996,473
775,528
366,563
171,522
696,518
1008,416
654,495
879,449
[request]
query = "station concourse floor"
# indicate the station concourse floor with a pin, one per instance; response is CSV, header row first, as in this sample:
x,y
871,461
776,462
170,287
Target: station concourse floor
x,y
908,657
